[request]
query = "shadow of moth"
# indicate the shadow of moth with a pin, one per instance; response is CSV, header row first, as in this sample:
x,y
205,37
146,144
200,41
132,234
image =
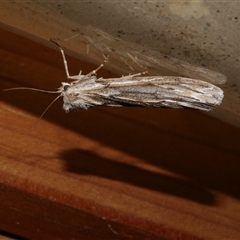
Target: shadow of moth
x,y
135,90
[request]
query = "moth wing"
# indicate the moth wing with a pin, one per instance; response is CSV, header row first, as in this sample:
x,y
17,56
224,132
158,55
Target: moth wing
x,y
173,92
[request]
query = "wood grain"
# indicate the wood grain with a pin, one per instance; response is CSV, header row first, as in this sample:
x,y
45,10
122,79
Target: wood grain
x,y
108,173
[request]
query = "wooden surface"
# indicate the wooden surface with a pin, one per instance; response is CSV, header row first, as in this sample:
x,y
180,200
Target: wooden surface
x,y
108,173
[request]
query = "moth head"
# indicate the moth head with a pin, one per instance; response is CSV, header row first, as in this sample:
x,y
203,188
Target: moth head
x,y
68,90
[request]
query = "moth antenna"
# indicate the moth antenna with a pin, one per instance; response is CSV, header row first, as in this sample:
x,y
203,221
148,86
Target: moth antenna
x,y
38,90
33,89
34,126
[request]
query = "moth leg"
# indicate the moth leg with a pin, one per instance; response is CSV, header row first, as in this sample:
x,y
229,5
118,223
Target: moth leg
x,y
101,65
76,77
95,70
134,75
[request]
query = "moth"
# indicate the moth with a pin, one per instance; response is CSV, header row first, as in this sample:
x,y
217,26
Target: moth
x,y
135,90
